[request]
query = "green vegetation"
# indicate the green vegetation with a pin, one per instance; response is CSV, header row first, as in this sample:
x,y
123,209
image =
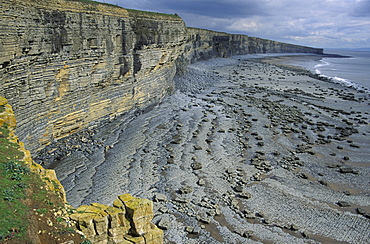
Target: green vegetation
x,y
14,180
153,13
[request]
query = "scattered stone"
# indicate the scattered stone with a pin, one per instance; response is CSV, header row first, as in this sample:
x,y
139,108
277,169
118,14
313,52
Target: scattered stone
x,y
238,188
361,211
163,209
245,195
196,165
248,234
347,193
201,182
354,145
182,200
260,143
189,229
293,227
176,140
197,147
303,175
334,165
164,223
196,230
346,170
343,204
323,182
159,197
185,190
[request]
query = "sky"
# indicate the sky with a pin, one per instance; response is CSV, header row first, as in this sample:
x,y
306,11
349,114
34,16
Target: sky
x,y
315,23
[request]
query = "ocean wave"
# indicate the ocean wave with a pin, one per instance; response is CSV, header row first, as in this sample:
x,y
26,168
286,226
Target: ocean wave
x,y
322,64
344,82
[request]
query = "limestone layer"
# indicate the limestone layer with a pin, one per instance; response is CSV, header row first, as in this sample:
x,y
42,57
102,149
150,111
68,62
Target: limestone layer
x,y
127,221
68,65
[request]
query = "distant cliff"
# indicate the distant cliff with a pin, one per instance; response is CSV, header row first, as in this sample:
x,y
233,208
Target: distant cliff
x,y
67,65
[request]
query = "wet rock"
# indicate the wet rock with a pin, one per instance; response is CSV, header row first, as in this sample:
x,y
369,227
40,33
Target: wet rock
x,y
303,175
361,211
293,227
182,200
185,190
323,182
159,197
201,182
346,170
238,188
196,230
245,195
196,165
248,234
189,229
343,204
164,223
197,147
354,145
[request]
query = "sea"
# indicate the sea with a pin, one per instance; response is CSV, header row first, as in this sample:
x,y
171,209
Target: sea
x,y
353,70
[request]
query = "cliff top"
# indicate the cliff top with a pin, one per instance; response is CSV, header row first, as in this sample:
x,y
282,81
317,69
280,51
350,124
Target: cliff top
x,y
93,6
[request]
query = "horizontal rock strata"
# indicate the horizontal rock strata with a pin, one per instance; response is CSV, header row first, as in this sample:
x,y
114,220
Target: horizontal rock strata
x,y
69,65
127,221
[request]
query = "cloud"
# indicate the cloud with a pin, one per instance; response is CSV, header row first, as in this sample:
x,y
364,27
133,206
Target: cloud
x,y
320,23
361,9
218,9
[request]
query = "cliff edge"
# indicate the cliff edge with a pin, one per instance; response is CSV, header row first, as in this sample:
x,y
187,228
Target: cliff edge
x,y
34,209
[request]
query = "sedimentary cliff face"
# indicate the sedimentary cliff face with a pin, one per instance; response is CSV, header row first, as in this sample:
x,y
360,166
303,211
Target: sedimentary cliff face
x,y
69,65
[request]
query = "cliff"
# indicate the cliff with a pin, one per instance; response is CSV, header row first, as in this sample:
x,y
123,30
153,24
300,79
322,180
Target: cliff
x,y
68,65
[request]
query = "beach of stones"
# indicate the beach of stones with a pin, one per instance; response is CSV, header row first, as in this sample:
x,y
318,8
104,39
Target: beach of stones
x,y
242,152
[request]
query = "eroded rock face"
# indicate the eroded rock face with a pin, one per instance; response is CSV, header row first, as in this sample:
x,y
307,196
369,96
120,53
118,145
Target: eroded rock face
x,y
127,221
65,65
69,65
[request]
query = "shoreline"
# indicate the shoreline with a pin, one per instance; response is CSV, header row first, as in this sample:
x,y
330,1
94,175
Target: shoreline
x,y
259,153
289,60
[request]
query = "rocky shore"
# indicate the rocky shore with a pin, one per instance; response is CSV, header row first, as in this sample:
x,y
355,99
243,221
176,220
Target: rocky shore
x,y
243,152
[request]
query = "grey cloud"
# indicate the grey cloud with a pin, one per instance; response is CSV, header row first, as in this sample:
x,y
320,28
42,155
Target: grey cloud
x,y
315,22
218,9
362,9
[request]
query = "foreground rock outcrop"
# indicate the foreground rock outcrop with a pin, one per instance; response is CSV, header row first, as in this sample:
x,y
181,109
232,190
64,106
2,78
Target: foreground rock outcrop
x,y
127,221
69,65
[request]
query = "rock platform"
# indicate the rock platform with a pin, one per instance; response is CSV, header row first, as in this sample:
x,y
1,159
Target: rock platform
x,y
242,152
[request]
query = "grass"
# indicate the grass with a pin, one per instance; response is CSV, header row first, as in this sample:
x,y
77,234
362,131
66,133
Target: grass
x,y
13,183
26,206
